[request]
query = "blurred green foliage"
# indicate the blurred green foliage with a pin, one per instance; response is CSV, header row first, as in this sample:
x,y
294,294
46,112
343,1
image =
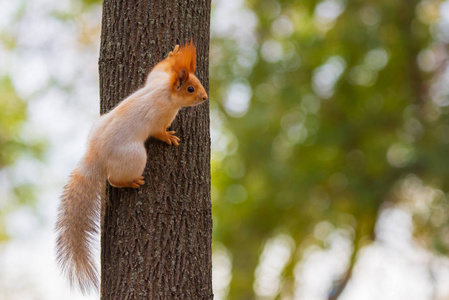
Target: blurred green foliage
x,y
343,107
13,146
13,114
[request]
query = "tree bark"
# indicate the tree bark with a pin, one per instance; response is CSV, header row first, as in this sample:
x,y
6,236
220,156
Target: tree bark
x,y
156,241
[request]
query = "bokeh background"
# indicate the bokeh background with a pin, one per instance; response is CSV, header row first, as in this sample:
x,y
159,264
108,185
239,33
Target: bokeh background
x,y
330,139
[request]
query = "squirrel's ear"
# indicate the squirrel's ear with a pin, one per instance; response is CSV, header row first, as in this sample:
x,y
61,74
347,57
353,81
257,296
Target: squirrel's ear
x,y
182,76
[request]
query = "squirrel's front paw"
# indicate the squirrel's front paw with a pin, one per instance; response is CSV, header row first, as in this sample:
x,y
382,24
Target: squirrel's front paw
x,y
168,137
172,139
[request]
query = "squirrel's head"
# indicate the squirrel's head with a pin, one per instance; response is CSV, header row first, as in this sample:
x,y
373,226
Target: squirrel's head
x,y
187,90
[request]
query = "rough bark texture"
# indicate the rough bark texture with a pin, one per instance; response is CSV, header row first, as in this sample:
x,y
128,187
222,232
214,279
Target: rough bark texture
x,y
156,241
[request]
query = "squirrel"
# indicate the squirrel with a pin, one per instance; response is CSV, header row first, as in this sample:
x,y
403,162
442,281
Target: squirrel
x,y
116,152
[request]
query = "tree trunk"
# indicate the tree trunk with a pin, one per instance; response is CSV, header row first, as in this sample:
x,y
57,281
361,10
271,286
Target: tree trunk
x,y
156,241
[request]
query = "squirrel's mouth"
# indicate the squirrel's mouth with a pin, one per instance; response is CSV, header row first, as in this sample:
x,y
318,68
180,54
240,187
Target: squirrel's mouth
x,y
200,100
197,102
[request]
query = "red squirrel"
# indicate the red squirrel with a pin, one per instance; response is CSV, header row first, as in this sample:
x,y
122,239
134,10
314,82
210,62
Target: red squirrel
x,y
116,152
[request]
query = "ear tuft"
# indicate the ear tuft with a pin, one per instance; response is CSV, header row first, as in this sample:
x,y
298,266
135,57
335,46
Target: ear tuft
x,y
184,59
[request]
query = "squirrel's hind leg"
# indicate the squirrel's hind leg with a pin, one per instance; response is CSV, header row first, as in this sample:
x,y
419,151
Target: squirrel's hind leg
x,y
136,183
126,165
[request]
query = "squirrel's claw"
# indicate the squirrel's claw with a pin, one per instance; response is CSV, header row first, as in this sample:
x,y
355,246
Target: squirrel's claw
x,y
139,181
136,183
172,139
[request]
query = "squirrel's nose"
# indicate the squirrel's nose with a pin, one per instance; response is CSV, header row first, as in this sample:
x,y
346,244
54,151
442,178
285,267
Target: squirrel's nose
x,y
205,98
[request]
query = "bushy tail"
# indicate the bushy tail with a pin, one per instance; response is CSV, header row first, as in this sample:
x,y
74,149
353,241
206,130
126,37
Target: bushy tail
x,y
77,226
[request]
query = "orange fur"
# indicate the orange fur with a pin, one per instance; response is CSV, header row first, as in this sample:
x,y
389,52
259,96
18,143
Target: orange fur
x,y
116,153
183,59
77,227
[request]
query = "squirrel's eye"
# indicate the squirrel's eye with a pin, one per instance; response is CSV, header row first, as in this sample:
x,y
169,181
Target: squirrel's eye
x,y
190,89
